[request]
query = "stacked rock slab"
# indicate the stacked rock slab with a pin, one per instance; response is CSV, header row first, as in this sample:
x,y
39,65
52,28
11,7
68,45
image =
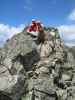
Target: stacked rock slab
x,y
26,73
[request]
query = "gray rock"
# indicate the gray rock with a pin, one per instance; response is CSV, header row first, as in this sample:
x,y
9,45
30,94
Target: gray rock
x,y
11,83
31,71
12,72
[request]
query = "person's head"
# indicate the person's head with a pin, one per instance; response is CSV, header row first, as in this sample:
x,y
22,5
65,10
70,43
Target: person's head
x,y
33,21
38,23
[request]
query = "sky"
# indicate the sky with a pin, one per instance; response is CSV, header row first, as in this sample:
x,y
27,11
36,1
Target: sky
x,y
16,14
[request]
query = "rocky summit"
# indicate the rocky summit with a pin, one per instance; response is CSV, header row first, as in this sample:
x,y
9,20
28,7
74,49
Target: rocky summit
x,y
32,69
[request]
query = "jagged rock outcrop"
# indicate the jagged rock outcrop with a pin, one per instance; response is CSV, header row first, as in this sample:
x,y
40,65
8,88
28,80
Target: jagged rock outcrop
x,y
14,56
36,71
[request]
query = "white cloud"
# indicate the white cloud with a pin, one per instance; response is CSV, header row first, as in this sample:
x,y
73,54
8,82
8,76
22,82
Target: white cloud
x,y
70,44
28,8
28,5
72,15
10,30
67,32
7,31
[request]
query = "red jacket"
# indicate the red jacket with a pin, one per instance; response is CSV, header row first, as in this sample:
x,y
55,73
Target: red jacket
x,y
35,26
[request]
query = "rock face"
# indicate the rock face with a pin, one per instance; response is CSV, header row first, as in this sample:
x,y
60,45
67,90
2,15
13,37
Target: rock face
x,y
31,71
14,57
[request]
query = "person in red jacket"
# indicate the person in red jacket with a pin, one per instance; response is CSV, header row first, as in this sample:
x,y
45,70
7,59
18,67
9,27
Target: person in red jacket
x,y
32,27
39,26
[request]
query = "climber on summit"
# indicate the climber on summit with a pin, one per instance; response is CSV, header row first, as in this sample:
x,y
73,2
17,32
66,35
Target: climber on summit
x,y
39,25
34,27
31,29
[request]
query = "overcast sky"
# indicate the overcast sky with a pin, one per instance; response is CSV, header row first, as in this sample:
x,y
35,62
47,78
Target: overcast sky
x,y
15,14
